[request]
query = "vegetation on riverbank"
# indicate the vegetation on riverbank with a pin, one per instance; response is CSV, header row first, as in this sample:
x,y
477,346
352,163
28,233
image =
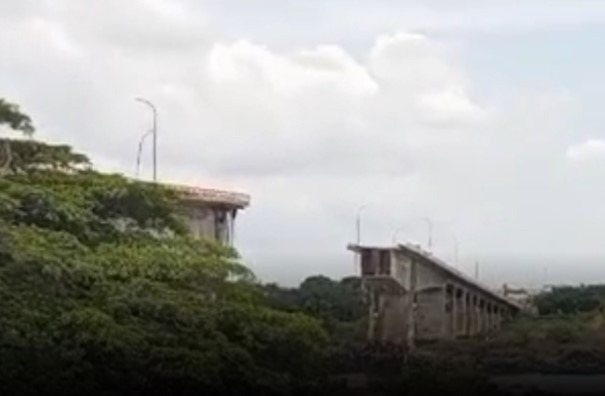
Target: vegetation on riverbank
x,y
104,292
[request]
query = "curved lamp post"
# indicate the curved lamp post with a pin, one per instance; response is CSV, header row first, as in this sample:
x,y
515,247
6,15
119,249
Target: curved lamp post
x,y
154,132
395,234
139,152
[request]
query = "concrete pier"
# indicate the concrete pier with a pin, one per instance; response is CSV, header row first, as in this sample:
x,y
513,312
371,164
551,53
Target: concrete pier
x,y
210,213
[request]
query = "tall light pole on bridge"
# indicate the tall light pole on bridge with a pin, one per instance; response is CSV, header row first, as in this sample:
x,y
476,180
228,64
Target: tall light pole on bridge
x,y
456,250
358,223
358,234
154,132
429,224
397,231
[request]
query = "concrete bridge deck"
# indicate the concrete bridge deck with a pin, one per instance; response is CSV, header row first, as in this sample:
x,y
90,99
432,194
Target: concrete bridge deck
x,y
415,296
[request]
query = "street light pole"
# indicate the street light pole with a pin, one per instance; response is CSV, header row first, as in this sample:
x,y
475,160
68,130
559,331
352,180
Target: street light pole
x,y
456,251
154,131
397,231
358,235
140,150
358,223
430,227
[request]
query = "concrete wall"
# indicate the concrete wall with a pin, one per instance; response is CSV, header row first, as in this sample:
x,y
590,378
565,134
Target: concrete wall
x,y
393,325
388,314
401,266
209,222
429,277
201,221
430,318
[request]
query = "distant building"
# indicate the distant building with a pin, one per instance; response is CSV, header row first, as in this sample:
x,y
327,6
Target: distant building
x,y
211,213
523,297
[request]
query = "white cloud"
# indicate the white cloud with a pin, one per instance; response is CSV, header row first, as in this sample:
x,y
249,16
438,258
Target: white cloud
x,y
449,106
471,15
286,23
589,150
318,110
310,131
324,66
411,60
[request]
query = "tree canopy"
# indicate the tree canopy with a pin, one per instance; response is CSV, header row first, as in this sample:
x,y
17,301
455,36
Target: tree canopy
x,y
104,291
571,299
12,116
322,297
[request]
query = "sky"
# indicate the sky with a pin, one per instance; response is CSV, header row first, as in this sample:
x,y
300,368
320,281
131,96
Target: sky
x,y
483,117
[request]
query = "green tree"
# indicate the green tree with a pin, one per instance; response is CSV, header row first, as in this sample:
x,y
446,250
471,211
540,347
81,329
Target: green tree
x,y
322,297
570,299
338,304
12,116
104,291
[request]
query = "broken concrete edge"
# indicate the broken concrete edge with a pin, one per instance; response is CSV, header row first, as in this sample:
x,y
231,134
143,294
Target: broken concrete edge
x,y
204,195
211,196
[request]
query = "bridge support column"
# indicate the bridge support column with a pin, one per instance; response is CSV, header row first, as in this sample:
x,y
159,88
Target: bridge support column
x,y
460,320
372,314
475,315
467,313
482,316
449,312
454,314
495,317
412,302
388,320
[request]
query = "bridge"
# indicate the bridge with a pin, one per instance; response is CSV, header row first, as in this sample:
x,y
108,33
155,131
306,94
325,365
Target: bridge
x,y
210,213
414,296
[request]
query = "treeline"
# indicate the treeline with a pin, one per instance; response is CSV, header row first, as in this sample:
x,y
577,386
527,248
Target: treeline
x,y
103,291
571,299
339,305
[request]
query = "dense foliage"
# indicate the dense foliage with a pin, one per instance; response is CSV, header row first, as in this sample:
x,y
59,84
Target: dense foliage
x,y
12,116
570,299
104,291
321,296
338,304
